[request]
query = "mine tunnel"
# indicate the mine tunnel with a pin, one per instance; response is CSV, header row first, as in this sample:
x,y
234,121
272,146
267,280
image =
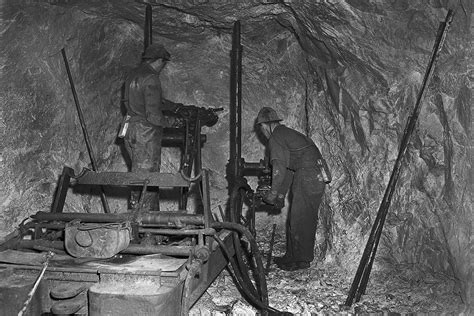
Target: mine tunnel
x,y
383,90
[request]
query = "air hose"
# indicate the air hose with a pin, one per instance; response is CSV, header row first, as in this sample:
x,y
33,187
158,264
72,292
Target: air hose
x,y
235,197
247,288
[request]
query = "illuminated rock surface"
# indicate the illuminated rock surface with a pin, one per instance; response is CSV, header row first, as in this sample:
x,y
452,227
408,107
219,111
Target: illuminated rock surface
x,y
347,74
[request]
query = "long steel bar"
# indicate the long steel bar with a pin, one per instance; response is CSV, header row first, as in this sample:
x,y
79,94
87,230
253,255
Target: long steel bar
x,y
361,278
182,251
35,286
131,249
160,218
132,178
84,129
185,232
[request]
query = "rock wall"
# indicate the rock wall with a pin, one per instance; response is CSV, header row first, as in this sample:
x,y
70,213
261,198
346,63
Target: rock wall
x,y
346,73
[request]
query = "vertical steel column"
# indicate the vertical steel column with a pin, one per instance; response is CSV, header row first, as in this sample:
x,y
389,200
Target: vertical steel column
x,y
148,29
235,106
238,59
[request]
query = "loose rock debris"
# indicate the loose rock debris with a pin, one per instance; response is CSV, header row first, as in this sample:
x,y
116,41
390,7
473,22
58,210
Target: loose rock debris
x,y
322,289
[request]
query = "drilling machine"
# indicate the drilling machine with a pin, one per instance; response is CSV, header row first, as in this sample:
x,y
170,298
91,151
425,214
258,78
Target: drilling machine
x,y
134,262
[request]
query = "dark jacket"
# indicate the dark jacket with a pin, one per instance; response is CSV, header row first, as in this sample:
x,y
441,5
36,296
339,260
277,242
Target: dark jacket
x,y
144,96
290,150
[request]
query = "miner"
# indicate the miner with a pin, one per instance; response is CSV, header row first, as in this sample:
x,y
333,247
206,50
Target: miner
x,y
142,128
297,162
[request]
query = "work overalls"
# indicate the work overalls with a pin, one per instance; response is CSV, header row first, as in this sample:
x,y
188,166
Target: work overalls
x,y
294,162
143,100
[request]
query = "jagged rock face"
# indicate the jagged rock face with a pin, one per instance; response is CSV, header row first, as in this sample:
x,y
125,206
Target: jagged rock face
x,y
346,73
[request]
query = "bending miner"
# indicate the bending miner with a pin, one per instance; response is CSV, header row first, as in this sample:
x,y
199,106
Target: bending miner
x,y
297,162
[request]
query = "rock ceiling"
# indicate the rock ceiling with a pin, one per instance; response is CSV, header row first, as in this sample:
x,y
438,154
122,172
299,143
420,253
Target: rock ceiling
x,y
344,72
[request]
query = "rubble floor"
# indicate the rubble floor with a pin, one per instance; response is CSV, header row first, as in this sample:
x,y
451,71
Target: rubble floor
x,y
322,290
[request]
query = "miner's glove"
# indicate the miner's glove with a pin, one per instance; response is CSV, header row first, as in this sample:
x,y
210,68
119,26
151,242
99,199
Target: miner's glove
x,y
280,201
179,108
270,197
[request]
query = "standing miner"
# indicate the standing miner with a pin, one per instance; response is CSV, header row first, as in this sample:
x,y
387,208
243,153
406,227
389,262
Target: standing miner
x,y
295,161
142,128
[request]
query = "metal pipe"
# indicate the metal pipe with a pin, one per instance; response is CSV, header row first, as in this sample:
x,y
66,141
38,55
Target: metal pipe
x,y
176,137
148,29
169,219
181,251
253,166
191,232
238,60
235,94
135,249
35,286
31,244
44,225
84,129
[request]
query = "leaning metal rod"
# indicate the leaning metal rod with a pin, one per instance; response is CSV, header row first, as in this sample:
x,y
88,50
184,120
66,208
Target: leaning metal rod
x,y
35,286
84,130
361,278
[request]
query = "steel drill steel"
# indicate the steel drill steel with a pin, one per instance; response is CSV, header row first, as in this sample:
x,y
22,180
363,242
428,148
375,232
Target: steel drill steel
x,y
84,129
361,278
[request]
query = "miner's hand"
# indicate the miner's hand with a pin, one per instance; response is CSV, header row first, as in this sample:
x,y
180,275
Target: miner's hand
x,y
270,197
179,108
279,202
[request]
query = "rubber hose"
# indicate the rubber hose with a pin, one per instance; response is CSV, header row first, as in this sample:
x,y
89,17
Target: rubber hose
x,y
256,254
238,250
237,274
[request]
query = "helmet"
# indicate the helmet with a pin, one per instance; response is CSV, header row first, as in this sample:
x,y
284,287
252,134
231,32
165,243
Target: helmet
x,y
156,51
266,115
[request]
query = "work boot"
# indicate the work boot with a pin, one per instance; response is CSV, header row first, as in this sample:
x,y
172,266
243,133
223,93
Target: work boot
x,y
294,266
282,260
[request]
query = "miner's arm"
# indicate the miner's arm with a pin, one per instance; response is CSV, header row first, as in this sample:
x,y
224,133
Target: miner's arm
x,y
281,176
171,106
152,98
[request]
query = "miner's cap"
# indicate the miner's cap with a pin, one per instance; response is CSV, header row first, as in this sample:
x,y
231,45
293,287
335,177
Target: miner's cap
x,y
156,51
267,114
